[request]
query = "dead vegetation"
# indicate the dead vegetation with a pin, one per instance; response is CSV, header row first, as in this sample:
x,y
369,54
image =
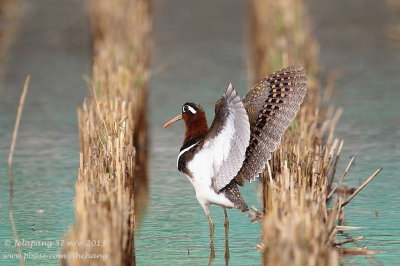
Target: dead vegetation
x,y
111,189
299,228
11,171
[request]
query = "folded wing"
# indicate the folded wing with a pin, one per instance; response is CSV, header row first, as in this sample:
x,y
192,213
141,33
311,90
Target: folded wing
x,y
228,138
271,106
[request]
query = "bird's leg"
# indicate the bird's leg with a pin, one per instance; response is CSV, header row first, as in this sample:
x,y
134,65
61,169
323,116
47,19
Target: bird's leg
x,y
211,223
206,208
226,225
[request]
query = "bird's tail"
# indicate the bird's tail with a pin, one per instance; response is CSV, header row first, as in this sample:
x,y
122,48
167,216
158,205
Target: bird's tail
x,y
233,194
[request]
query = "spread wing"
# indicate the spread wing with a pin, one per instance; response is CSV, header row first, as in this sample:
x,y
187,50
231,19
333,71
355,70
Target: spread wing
x,y
271,105
228,138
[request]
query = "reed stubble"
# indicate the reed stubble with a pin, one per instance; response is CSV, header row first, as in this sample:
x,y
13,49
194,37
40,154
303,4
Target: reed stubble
x,y
111,190
298,227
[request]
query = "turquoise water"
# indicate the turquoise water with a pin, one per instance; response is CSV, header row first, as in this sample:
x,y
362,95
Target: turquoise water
x,y
55,53
195,55
353,40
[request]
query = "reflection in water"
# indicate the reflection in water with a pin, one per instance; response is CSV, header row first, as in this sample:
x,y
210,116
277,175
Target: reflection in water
x,y
371,258
212,253
11,214
226,225
227,255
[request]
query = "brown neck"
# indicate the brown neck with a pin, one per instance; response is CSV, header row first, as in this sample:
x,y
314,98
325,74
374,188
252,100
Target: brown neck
x,y
196,127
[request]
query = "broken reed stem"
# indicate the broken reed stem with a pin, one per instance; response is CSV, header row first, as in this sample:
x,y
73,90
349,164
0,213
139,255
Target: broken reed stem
x,y
347,252
349,241
342,177
10,169
347,169
363,185
346,227
18,119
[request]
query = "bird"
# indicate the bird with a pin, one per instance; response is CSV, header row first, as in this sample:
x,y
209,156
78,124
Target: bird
x,y
238,144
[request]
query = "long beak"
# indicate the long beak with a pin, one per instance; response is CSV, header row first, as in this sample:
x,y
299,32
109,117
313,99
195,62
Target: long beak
x,y
173,120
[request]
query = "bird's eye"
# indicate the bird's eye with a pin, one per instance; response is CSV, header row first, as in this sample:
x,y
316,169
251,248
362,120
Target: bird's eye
x,y
187,108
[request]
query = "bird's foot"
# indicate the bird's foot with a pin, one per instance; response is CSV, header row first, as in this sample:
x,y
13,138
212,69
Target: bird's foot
x,y
260,247
255,215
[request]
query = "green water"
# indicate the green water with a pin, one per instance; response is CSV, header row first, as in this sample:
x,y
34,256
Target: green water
x,y
196,53
54,52
199,46
353,39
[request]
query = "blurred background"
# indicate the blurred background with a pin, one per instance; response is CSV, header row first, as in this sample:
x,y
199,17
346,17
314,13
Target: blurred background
x,y
198,47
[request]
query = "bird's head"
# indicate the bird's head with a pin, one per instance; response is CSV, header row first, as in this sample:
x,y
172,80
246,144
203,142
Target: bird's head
x,y
195,120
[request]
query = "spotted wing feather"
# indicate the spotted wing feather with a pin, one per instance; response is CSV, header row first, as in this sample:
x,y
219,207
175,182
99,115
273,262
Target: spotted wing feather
x,y
271,106
229,137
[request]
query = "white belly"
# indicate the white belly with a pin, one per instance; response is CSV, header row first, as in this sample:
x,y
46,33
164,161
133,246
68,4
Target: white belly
x,y
202,168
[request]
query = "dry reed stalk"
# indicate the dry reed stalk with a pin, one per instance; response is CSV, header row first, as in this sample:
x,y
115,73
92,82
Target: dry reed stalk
x,y
290,42
298,228
10,167
18,119
112,179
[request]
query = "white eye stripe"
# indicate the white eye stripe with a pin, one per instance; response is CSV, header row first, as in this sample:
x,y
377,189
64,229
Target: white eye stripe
x,y
192,110
188,107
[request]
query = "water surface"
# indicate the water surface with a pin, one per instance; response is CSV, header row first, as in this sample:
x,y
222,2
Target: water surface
x,y
353,39
199,48
52,46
